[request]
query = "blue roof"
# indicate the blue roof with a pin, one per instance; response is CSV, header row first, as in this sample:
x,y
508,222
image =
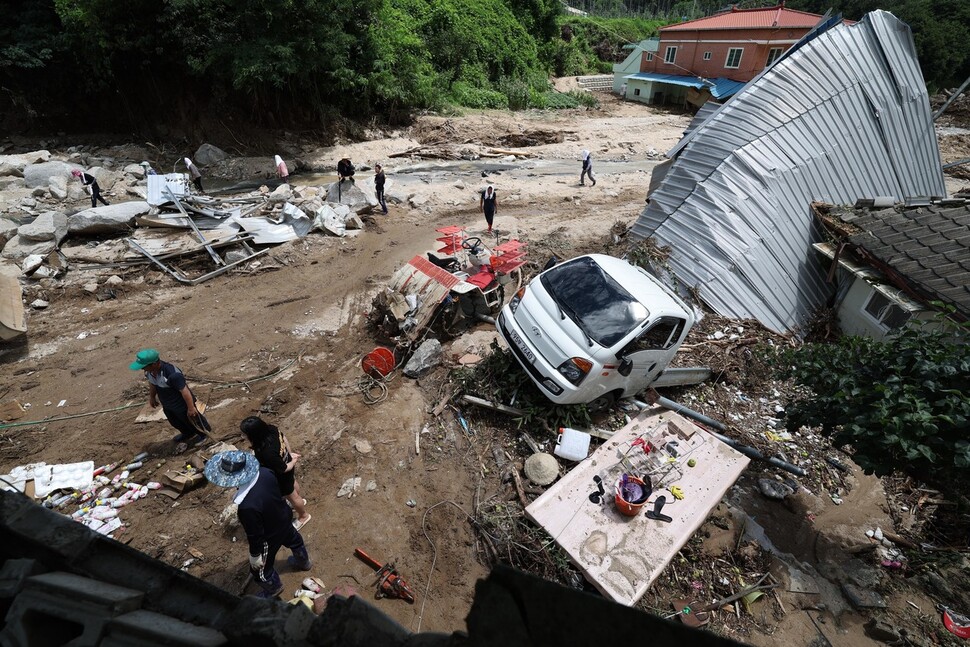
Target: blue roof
x,y
719,87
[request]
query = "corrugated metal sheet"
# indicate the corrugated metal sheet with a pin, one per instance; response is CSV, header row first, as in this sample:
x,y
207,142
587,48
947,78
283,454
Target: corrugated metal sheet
x,y
774,17
843,116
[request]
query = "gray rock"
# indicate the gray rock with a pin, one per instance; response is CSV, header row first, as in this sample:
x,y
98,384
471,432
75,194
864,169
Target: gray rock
x,y
8,229
282,193
106,179
58,187
104,220
371,486
14,164
39,191
425,358
51,225
114,280
541,468
90,288
17,248
208,154
39,304
135,170
774,489
349,194
41,174
863,598
881,631
31,263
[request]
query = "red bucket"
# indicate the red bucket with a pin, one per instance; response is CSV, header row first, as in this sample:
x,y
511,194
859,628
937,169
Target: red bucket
x,y
378,363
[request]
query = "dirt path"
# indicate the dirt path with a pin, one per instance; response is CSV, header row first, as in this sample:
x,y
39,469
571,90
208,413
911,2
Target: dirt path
x,y
304,308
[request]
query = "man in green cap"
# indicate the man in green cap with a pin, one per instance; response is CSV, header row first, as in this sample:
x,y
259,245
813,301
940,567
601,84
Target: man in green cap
x,y
166,384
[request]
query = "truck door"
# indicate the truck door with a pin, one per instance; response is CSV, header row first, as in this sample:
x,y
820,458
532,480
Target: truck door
x,y
651,351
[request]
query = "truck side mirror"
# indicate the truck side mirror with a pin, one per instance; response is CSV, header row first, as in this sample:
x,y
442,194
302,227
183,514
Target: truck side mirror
x,y
625,367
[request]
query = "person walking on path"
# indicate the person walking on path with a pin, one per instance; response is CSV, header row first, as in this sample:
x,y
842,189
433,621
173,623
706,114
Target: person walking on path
x,y
90,183
488,203
263,514
379,180
195,174
587,169
273,451
166,385
281,170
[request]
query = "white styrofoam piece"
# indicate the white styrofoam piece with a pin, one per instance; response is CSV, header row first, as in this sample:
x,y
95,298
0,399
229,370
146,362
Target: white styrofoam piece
x,y
67,475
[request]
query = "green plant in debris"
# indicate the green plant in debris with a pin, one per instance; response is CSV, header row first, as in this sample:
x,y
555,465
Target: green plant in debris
x,y
499,377
901,404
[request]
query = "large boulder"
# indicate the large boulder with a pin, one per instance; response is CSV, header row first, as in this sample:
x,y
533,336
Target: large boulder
x,y
135,170
105,220
8,229
18,249
58,187
51,225
106,179
348,193
14,164
209,154
40,174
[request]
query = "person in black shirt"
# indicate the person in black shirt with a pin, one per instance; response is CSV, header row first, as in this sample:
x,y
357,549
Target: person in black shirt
x,y
166,385
92,183
273,451
379,186
488,204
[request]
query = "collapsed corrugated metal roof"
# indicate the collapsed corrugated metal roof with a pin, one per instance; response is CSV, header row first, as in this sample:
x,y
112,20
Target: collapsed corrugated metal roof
x,y
843,115
720,88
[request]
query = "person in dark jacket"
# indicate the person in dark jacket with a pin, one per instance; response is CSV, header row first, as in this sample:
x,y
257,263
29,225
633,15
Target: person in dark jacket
x,y
263,514
166,384
90,182
379,186
273,451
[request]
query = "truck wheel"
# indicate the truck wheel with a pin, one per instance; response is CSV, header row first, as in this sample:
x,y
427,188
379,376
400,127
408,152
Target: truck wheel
x,y
602,403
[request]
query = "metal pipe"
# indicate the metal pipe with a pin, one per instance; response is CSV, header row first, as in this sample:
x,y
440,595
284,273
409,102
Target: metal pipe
x,y
748,451
951,99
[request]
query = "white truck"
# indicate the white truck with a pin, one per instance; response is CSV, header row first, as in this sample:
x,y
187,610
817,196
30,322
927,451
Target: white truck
x,y
594,329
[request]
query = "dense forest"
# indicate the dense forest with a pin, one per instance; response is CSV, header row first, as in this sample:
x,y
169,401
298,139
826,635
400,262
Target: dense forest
x,y
103,64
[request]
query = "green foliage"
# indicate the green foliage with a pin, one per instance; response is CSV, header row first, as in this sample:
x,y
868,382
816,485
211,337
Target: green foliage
x,y
500,378
470,96
900,404
592,45
941,31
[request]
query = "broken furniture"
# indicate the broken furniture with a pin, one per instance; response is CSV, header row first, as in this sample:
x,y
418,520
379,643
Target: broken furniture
x,y
621,556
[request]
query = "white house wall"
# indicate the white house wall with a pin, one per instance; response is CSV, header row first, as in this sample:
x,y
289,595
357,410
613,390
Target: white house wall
x,y
842,115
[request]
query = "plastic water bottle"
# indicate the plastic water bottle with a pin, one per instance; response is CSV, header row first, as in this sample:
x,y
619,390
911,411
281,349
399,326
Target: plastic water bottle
x,y
152,485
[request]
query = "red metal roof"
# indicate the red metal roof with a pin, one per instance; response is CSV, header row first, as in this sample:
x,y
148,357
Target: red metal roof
x,y
769,17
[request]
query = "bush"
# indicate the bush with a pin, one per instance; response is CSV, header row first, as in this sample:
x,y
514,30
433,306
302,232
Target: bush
x,y
901,404
476,97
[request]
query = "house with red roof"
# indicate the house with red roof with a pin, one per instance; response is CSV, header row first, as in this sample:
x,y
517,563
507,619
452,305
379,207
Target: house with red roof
x,y
713,57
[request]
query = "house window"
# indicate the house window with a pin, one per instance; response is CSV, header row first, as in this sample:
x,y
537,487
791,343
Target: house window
x,y
734,57
707,56
649,56
636,92
670,55
885,312
773,55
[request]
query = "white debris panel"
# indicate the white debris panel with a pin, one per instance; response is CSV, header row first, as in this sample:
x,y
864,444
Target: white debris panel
x,y
843,115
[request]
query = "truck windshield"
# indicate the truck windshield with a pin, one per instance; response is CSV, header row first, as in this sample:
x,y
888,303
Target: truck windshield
x,y
595,302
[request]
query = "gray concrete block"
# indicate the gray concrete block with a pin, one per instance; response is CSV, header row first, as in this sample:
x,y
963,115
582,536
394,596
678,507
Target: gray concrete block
x,y
167,590
33,531
65,609
14,572
147,629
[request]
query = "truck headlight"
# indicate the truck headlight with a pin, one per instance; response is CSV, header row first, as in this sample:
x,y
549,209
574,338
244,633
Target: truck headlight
x,y
516,300
575,369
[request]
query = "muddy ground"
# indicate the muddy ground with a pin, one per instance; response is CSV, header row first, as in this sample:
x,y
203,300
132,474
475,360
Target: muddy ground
x,y
284,340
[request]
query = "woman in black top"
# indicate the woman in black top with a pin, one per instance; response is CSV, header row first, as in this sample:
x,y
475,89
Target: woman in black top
x,y
273,452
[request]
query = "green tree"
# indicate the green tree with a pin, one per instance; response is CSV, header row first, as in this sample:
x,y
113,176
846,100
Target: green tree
x,y
901,404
